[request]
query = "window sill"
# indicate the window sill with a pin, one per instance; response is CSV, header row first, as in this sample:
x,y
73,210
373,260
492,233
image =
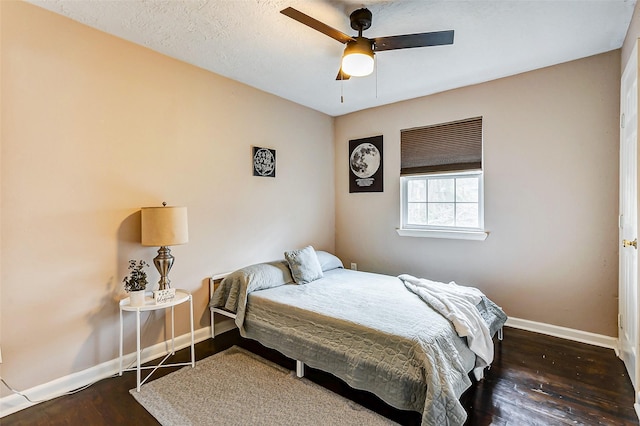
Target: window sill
x,y
439,233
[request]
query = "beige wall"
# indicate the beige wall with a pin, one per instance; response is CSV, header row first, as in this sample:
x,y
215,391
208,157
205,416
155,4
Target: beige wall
x,y
93,128
551,194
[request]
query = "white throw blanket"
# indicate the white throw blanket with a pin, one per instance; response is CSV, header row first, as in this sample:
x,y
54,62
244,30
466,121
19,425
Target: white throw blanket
x,y
458,304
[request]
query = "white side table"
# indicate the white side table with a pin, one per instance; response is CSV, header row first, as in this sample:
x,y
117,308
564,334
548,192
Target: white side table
x,y
182,296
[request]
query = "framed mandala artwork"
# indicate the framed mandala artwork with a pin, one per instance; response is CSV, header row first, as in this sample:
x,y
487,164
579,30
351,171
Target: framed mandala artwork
x,y
365,165
264,162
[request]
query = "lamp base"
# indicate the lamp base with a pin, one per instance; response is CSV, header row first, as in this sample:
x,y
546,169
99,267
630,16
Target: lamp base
x,y
164,262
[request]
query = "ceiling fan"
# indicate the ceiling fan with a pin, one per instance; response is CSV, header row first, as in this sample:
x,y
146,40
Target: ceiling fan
x,y
357,60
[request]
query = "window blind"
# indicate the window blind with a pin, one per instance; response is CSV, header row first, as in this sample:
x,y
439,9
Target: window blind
x,y
454,146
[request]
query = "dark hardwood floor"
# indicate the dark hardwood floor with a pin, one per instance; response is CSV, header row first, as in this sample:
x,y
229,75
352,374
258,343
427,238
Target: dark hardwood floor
x,y
534,380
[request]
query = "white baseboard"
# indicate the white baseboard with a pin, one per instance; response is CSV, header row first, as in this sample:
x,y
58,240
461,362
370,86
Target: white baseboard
x,y
564,333
46,391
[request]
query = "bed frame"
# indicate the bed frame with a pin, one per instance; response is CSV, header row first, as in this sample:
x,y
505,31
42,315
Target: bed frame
x,y
212,280
221,311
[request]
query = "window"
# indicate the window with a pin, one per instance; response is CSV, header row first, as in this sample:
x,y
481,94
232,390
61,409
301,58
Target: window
x,y
442,182
443,201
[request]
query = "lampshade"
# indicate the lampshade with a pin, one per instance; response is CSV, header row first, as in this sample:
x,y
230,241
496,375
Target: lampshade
x,y
357,60
164,226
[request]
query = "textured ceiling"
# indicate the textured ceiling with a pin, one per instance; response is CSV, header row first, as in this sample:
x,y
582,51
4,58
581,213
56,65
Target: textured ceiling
x,y
251,42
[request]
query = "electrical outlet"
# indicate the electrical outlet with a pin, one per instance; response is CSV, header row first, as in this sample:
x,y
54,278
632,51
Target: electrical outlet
x,y
354,266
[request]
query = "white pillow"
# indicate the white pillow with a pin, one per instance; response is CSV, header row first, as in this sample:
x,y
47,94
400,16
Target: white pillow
x,y
304,265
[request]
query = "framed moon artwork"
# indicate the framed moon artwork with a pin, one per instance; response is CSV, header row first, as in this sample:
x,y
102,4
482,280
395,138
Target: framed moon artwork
x,y
365,165
264,162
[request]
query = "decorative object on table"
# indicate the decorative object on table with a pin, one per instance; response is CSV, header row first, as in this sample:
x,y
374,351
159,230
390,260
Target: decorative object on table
x,y
164,296
264,162
164,226
136,282
365,165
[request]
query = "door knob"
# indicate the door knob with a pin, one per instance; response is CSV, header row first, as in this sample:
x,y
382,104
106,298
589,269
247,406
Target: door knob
x,y
627,243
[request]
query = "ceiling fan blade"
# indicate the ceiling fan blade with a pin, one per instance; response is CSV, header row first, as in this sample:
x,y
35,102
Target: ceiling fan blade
x,y
342,75
436,38
316,25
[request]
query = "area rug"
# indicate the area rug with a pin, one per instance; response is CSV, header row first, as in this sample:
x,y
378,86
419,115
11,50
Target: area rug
x,y
236,387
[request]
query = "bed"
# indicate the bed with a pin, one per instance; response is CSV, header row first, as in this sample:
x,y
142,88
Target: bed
x,y
367,329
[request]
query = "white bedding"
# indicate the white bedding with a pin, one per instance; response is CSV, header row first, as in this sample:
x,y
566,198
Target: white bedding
x,y
458,304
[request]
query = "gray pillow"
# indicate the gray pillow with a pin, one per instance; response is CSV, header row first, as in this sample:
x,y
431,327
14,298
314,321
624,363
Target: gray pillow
x,y
328,261
304,265
263,275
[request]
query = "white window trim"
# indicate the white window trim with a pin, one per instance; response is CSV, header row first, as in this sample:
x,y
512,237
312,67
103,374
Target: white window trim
x,y
477,234
439,233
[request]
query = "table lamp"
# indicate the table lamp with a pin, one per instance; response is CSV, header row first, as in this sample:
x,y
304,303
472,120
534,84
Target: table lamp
x,y
164,226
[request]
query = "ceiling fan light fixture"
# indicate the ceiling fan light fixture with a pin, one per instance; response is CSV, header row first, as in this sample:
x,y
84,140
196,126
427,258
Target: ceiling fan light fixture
x,y
357,60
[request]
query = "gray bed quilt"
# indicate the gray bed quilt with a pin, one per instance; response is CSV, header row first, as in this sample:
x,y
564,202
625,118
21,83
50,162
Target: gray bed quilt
x,y
366,329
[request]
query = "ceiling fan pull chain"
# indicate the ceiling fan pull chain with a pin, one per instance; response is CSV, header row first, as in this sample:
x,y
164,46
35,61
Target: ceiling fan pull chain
x,y
375,58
